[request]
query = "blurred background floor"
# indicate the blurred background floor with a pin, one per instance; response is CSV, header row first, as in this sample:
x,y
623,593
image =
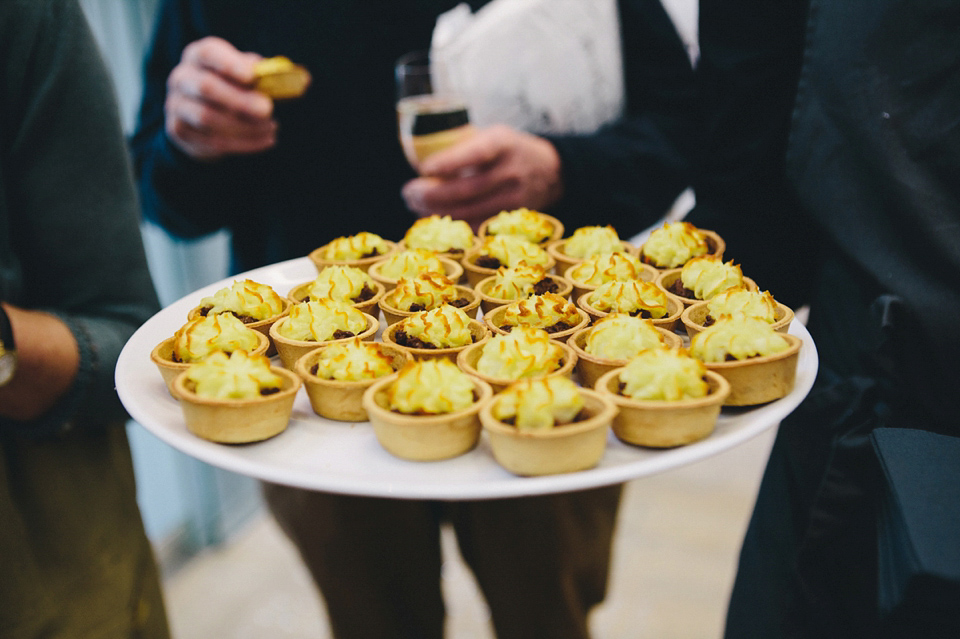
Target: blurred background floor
x,y
675,554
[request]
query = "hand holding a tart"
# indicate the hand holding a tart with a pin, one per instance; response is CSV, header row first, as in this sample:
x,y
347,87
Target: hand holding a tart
x,y
213,108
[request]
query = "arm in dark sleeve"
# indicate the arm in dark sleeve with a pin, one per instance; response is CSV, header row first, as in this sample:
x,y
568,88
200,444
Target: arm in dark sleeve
x,y
186,197
71,204
630,171
750,56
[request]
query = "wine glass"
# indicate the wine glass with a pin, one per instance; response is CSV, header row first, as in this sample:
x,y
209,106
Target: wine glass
x,y
430,117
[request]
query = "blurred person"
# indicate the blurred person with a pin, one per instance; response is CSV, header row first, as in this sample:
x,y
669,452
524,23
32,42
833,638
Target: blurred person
x,y
829,165
74,284
627,173
287,177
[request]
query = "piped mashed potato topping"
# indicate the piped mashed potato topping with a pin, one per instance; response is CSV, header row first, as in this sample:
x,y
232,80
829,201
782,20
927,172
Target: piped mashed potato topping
x,y
707,276
609,267
549,311
355,247
663,374
439,233
344,283
634,297
737,338
524,352
510,250
539,404
204,335
622,336
443,327
588,241
245,299
674,245
516,282
532,226
234,376
423,292
741,301
430,387
408,263
353,361
322,320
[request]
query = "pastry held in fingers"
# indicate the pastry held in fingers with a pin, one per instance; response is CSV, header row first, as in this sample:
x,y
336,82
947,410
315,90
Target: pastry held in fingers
x,y
280,78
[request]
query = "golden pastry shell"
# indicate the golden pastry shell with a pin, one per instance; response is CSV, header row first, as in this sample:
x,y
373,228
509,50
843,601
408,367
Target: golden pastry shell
x,y
424,437
590,367
238,421
664,424
562,449
488,302
290,350
341,400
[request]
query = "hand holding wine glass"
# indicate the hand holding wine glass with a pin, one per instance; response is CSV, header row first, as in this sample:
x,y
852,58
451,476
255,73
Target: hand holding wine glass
x,y
429,117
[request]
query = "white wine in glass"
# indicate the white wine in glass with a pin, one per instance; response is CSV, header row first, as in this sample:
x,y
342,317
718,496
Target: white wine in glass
x,y
427,120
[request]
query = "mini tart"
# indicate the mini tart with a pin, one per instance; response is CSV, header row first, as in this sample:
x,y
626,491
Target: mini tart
x,y
664,424
251,302
757,379
669,321
376,247
440,234
204,335
342,400
424,437
477,332
463,298
594,271
586,242
672,245
694,317
550,283
449,267
532,226
505,250
565,448
345,283
290,350
238,421
468,358
499,319
162,357
671,282
261,326
591,367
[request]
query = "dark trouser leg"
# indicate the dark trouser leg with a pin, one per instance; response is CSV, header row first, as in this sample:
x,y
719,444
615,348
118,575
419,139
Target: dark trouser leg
x,y
542,562
808,563
376,561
